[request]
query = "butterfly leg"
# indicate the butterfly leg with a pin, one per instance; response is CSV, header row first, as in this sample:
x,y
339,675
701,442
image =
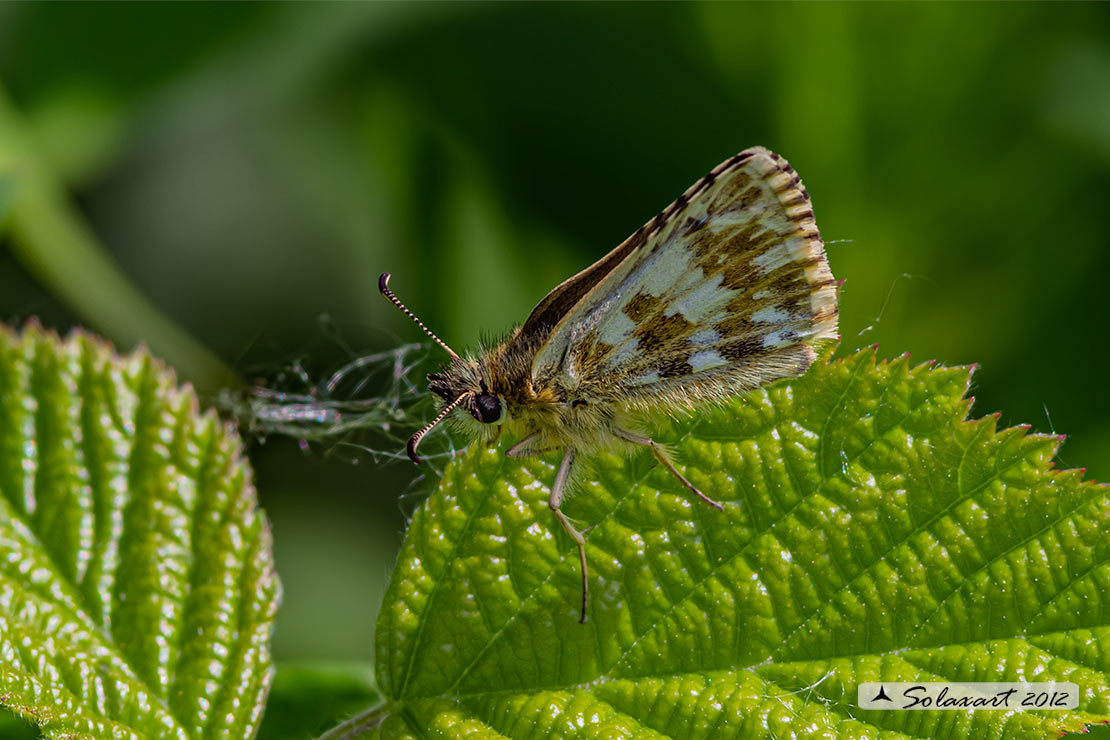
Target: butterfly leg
x,y
527,447
664,459
558,489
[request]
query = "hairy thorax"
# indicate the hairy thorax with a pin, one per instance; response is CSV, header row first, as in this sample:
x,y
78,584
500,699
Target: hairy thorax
x,y
550,413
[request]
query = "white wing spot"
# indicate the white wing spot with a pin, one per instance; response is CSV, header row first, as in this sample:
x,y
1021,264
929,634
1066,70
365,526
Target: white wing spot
x,y
730,219
794,249
773,258
708,335
706,297
616,327
777,338
771,315
706,359
660,274
646,378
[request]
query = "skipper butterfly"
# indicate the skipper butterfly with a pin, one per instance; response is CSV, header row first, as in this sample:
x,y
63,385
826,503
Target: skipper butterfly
x,y
719,294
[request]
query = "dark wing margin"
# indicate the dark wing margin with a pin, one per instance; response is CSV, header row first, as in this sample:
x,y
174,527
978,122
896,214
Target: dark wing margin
x,y
720,293
567,294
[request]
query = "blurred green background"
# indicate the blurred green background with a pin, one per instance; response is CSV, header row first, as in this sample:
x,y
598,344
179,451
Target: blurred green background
x,y
246,169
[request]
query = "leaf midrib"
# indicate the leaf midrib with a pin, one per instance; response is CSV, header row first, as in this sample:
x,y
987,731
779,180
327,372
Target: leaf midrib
x,y
959,498
618,503
863,572
769,529
754,668
418,641
639,480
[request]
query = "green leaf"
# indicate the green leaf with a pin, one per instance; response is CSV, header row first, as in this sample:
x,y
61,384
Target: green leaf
x,y
137,589
14,728
870,533
1095,732
51,239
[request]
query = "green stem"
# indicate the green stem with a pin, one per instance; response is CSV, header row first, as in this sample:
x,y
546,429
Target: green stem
x,y
54,243
362,722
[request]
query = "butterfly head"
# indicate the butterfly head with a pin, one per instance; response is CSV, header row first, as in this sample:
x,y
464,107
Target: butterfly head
x,y
487,408
461,383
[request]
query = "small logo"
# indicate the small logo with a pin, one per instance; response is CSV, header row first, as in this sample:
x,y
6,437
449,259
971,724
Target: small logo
x,y
968,696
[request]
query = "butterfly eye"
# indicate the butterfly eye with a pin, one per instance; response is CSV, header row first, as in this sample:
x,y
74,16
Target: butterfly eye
x,y
486,408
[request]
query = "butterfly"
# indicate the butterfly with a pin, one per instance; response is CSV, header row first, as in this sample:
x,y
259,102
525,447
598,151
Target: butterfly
x,y
719,294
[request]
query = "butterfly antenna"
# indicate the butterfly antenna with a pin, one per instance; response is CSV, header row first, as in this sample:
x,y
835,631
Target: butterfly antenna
x,y
383,286
415,439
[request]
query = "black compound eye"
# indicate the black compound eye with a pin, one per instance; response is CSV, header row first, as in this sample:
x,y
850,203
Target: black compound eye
x,y
486,408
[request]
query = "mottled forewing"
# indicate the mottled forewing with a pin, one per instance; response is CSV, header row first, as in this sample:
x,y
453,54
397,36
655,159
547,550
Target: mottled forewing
x,y
719,293
557,304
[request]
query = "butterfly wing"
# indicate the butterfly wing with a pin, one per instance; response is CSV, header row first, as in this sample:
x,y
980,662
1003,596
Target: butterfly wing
x,y
717,294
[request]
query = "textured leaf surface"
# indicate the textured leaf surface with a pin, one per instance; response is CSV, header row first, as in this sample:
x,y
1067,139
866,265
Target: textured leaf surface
x,y
870,533
137,590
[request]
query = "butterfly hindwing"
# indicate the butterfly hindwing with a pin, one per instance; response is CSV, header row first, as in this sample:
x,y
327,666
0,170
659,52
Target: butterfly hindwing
x,y
717,295
724,286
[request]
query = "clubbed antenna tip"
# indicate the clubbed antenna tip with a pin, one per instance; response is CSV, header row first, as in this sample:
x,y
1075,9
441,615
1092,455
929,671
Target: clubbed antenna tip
x,y
414,440
383,286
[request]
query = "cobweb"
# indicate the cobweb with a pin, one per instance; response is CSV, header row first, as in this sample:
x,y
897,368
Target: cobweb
x,y
365,409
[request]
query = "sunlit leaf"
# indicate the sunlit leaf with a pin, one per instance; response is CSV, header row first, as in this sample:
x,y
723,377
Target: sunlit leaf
x,y
137,589
870,532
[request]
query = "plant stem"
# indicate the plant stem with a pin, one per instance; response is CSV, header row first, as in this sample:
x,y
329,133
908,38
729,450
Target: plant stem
x,y
355,726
